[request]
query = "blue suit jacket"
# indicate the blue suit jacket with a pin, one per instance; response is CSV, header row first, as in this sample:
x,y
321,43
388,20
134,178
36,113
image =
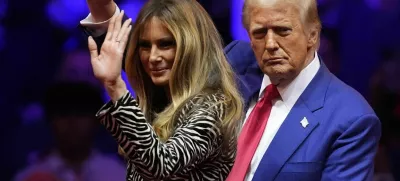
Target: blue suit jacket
x,y
340,141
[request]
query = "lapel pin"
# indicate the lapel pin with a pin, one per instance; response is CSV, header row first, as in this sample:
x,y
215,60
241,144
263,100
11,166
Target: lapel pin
x,y
304,122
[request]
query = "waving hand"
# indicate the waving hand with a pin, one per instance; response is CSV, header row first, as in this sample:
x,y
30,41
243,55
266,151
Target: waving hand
x,y
107,64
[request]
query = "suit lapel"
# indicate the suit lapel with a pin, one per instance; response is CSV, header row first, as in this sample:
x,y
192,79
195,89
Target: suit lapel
x,y
288,138
292,134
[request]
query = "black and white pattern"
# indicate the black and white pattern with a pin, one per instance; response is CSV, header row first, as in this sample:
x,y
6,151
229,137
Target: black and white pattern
x,y
193,152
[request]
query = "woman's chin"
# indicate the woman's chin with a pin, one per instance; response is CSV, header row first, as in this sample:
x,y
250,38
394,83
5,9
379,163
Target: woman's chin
x,y
160,78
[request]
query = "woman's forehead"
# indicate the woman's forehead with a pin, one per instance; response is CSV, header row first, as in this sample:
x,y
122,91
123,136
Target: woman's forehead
x,y
154,27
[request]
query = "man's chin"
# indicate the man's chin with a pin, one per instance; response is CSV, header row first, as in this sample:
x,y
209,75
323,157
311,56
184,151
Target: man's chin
x,y
276,71
277,75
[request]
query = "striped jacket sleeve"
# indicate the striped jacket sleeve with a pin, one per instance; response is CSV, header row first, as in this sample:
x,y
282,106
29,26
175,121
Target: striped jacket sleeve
x,y
197,137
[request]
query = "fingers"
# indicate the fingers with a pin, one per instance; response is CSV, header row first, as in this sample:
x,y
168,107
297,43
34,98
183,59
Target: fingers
x,y
123,30
117,26
110,29
125,37
92,48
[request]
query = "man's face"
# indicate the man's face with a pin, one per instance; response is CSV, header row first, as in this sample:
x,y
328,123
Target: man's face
x,y
279,40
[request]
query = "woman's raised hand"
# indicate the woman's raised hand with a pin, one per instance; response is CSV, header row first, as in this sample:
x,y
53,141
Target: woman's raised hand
x,y
107,63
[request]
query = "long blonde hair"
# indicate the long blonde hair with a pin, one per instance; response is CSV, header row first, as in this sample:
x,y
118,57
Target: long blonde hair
x,y
200,64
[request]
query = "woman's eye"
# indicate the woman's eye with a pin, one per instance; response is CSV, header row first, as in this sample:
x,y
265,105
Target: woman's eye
x,y
166,44
144,45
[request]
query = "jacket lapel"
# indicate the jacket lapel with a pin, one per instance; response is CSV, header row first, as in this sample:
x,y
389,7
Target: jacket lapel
x,y
292,132
288,138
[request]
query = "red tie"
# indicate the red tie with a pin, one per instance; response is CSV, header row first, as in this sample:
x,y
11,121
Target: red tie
x,y
251,134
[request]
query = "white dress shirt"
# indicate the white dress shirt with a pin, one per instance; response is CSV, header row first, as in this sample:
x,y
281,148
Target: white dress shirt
x,y
280,109
97,28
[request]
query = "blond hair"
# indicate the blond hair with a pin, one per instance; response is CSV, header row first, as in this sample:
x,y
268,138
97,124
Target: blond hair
x,y
200,65
307,8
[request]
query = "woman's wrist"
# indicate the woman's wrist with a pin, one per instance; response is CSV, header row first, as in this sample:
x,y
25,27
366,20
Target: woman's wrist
x,y
116,89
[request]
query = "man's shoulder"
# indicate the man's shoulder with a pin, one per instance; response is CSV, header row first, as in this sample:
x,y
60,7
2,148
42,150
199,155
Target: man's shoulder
x,y
240,51
344,109
346,101
237,44
240,55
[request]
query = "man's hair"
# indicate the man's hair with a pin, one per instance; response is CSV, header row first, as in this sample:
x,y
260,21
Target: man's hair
x,y
307,8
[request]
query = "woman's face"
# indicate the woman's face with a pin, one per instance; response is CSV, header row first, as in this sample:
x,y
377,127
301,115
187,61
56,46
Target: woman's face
x,y
157,49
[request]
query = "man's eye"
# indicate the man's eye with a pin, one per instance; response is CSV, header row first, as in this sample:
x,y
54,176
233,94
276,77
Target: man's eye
x,y
283,31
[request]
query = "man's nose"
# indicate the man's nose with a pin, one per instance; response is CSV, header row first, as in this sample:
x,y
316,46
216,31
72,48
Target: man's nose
x,y
270,41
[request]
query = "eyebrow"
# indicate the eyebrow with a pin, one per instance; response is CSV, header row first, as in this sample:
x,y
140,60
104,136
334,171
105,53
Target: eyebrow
x,y
167,38
280,22
259,30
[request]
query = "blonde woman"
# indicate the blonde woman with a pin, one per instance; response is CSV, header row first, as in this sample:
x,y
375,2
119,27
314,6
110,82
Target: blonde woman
x,y
183,123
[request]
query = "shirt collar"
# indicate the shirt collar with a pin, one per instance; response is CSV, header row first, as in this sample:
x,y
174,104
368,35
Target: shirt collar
x,y
291,92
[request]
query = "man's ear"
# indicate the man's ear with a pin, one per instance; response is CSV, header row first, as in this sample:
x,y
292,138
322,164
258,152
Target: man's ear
x,y
313,35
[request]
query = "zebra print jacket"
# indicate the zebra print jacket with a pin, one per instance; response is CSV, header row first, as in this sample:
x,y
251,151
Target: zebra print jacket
x,y
193,152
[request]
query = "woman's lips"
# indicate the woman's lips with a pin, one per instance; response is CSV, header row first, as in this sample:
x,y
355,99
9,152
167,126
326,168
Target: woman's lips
x,y
159,71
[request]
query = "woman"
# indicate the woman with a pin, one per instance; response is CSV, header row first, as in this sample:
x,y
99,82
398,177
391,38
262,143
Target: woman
x,y
184,122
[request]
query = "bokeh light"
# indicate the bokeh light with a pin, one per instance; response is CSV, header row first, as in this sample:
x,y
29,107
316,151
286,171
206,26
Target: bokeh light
x,y
3,8
66,14
131,8
2,38
238,32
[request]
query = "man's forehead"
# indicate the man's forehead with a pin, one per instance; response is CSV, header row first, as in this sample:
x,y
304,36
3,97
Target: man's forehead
x,y
270,19
271,2
264,2
277,11
260,16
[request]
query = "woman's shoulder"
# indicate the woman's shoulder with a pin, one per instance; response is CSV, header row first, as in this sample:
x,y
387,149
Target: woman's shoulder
x,y
208,98
210,105
206,103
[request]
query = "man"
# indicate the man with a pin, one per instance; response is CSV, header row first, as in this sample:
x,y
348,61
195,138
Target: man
x,y
318,127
